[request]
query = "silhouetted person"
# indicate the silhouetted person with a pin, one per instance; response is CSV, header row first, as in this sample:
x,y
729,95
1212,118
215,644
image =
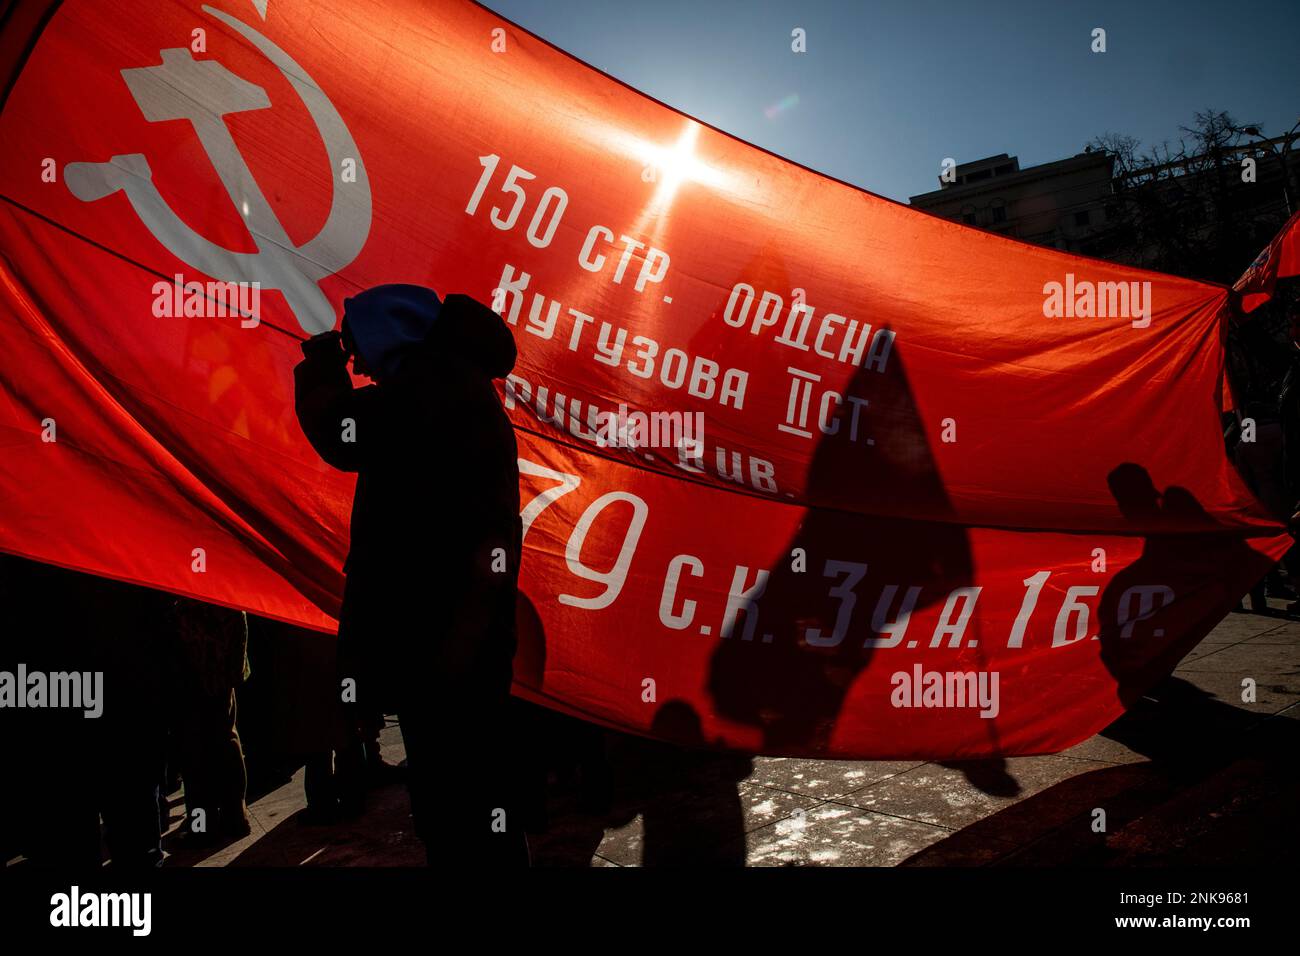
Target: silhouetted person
x,y
427,625
208,658
50,792
127,635
69,770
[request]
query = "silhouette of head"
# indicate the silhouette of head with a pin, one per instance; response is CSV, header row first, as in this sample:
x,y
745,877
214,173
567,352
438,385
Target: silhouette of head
x,y
1134,492
476,333
382,325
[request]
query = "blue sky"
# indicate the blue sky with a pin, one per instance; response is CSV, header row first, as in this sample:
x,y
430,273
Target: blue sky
x,y
888,89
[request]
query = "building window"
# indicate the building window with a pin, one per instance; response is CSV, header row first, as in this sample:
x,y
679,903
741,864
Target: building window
x,y
968,215
999,212
1082,218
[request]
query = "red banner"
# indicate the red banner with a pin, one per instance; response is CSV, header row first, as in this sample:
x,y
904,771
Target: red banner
x,y
901,488
1280,259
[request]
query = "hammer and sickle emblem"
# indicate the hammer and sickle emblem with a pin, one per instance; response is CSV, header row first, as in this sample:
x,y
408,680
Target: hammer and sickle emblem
x,y
203,91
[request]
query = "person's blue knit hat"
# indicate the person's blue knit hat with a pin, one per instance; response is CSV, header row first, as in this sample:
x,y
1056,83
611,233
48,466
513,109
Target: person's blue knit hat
x,y
386,322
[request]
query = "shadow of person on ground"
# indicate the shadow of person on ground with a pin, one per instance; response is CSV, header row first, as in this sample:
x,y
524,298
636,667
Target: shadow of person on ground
x,y
1219,788
684,792
989,776
691,811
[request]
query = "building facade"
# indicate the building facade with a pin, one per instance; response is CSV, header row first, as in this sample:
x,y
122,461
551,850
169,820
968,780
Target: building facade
x,y
1062,204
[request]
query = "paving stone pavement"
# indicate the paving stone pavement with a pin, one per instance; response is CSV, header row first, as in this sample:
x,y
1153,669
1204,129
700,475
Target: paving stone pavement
x,y
1192,774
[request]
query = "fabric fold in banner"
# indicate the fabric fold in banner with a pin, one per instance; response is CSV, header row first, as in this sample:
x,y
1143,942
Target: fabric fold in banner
x,y
803,470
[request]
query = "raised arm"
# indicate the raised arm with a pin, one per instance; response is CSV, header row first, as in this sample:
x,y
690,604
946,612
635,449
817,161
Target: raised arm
x,y
329,409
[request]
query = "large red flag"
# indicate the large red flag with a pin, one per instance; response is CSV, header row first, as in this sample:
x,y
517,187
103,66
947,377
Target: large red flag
x,y
1280,259
954,495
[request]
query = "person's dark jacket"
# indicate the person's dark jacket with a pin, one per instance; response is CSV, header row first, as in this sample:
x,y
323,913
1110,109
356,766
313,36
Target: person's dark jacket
x,y
428,606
